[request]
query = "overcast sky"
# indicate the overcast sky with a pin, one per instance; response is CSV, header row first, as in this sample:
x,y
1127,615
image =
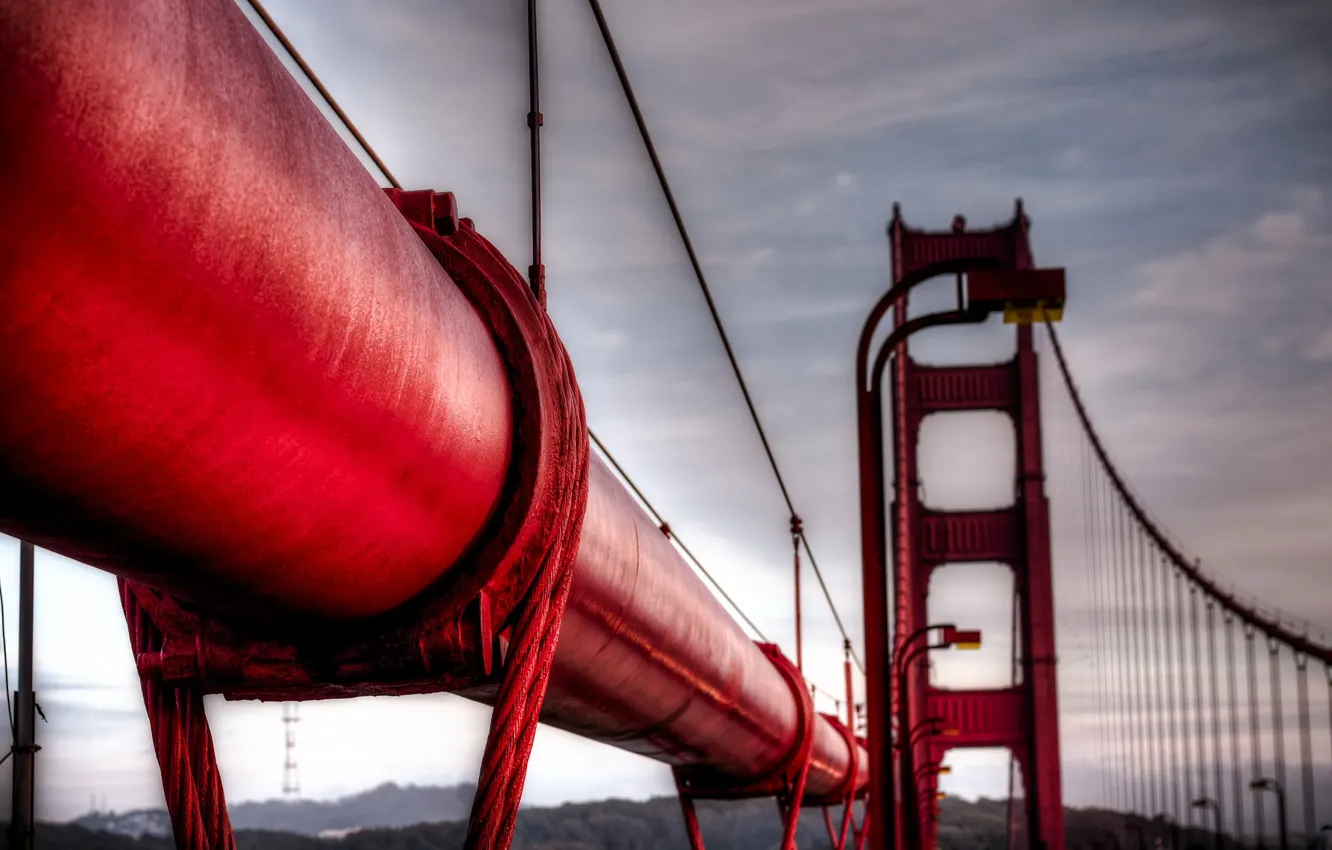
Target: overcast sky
x,y
1174,157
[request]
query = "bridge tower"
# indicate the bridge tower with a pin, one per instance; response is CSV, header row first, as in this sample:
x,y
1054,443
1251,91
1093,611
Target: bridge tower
x,y
1022,718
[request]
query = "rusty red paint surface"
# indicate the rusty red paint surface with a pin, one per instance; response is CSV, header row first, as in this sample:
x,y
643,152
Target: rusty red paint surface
x,y
233,372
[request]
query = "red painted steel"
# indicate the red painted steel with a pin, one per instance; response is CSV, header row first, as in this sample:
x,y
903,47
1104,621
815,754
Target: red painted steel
x,y
1024,718
233,372
225,350
649,660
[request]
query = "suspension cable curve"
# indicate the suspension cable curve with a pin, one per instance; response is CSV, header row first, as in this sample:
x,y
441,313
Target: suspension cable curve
x,y
1270,626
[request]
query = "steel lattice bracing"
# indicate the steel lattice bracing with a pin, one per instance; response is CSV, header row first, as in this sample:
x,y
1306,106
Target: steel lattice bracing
x,y
1023,718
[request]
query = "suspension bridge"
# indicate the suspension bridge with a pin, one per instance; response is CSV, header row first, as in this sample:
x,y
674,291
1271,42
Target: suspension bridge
x,y
328,439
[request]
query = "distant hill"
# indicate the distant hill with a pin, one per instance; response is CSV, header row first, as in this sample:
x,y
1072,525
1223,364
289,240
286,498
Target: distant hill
x,y
387,806
393,817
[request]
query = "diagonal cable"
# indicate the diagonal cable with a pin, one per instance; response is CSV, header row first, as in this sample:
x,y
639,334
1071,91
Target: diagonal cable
x,y
666,529
678,218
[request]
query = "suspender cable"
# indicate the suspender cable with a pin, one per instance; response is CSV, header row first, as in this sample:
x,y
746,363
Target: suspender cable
x,y
1278,720
1106,642
1327,669
1236,779
536,273
1185,709
1255,739
688,244
1121,651
1161,731
1306,741
796,531
1171,680
1197,707
1218,791
1133,694
1093,564
1142,736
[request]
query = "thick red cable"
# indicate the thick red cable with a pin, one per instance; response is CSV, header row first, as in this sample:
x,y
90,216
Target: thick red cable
x,y
183,744
549,532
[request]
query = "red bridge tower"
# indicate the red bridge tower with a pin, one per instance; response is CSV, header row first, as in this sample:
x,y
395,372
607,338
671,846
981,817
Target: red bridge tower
x,y
1023,718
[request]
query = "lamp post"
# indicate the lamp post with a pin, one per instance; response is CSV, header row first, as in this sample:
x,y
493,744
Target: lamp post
x,y
1209,803
950,636
1016,290
1268,784
931,726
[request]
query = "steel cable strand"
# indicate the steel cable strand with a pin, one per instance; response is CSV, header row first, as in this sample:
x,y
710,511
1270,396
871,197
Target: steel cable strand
x,y
1198,709
1327,670
547,535
1236,779
310,75
1144,736
1102,643
208,779
1219,790
1176,736
1114,673
1149,669
1255,739
1278,720
1162,718
181,742
696,265
1306,742
1181,623
675,538
1092,565
1124,710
